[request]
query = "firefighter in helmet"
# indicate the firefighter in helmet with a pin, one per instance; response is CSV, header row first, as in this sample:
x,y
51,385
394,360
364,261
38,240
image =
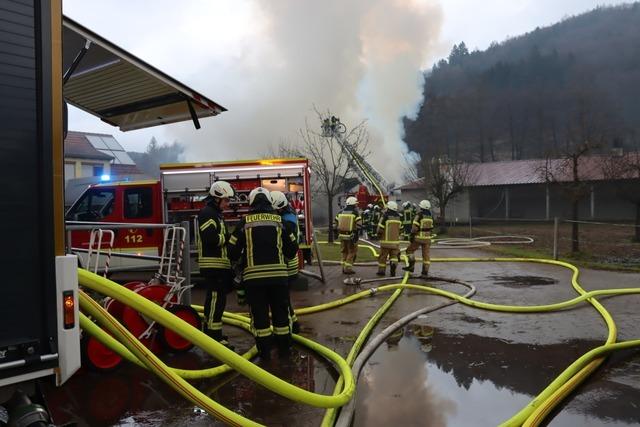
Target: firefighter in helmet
x,y
366,219
348,223
389,235
212,258
261,243
375,219
407,219
421,237
290,222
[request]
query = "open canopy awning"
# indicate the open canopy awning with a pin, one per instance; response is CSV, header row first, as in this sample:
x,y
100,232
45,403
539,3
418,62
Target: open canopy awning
x,y
122,90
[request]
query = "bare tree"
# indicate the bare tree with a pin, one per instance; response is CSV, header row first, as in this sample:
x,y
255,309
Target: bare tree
x,y
332,167
624,171
586,130
444,179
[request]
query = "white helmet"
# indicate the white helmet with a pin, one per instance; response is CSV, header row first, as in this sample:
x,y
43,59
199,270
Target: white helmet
x,y
366,211
425,204
279,200
259,190
392,206
369,206
406,204
352,201
221,190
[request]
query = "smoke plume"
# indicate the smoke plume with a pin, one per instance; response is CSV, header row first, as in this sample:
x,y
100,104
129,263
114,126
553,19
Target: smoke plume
x,y
358,59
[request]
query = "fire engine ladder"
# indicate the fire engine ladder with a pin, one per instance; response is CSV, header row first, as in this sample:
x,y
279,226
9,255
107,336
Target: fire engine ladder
x,y
96,239
170,266
368,175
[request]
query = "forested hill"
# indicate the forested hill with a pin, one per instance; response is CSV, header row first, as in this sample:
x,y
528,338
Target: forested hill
x,y
536,94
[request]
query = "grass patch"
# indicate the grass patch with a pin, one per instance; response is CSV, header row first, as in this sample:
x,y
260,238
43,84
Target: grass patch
x,y
331,252
579,259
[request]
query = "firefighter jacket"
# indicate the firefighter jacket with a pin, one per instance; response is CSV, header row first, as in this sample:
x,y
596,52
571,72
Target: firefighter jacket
x,y
375,217
348,223
290,222
407,216
389,230
264,246
422,226
212,249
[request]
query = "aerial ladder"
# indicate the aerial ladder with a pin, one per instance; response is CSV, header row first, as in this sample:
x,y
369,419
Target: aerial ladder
x,y
369,176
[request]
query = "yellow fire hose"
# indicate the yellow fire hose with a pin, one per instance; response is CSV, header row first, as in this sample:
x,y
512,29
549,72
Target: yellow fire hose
x,y
217,350
536,410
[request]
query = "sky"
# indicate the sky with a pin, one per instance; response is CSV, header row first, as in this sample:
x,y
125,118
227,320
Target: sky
x,y
272,63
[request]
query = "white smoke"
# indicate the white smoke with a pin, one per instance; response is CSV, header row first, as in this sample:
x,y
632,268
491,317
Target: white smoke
x,y
358,59
270,62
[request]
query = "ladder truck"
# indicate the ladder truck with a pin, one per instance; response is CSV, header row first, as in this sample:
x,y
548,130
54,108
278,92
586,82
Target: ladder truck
x,y
373,187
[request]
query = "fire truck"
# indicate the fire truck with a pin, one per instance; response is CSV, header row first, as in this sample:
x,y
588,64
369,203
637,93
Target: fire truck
x,y
178,196
373,186
39,318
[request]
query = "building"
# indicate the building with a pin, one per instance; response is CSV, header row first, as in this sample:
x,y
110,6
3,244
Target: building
x,y
518,190
93,157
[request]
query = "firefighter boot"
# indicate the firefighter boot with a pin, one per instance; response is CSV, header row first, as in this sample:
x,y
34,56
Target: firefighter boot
x,y
264,347
425,271
392,269
283,343
381,271
412,264
216,334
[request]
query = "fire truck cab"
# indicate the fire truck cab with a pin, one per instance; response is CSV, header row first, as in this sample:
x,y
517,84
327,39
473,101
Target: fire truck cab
x,y
179,195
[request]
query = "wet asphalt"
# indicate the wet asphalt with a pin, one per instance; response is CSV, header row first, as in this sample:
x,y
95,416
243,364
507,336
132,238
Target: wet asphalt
x,y
459,366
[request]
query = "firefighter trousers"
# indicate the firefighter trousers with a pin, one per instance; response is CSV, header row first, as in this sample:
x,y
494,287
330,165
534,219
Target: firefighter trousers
x,y
293,318
266,296
218,282
426,258
349,249
392,254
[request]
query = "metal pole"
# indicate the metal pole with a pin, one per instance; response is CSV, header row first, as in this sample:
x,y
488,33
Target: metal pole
x,y
555,238
186,264
548,204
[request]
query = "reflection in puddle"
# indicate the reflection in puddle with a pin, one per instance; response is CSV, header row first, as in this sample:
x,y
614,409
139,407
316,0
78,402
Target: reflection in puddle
x,y
422,378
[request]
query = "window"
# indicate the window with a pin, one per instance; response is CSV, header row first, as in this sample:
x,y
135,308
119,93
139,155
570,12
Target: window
x,y
97,170
138,202
69,171
94,205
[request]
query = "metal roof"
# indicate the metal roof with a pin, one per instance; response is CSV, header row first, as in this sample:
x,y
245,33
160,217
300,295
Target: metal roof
x,y
123,90
520,172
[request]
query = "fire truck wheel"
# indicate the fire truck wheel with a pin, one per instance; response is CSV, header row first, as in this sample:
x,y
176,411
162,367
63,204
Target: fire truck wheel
x,y
97,356
173,342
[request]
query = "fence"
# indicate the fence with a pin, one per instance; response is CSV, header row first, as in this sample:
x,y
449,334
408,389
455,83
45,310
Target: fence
x,y
602,242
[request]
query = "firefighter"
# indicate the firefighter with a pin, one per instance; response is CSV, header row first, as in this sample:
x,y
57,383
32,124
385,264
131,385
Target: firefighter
x,y
421,237
366,219
407,219
348,223
290,222
389,235
212,257
260,242
375,219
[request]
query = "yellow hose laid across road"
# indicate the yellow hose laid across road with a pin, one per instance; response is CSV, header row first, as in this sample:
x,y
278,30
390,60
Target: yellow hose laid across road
x,y
217,350
330,415
189,374
537,409
158,367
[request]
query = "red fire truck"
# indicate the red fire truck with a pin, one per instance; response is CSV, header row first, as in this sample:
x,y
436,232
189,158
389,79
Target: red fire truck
x,y
179,195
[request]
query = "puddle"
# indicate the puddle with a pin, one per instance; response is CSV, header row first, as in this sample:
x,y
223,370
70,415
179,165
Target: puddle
x,y
522,281
450,380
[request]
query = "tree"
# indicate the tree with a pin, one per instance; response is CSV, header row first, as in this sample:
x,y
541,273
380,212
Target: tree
x,y
444,179
332,167
149,162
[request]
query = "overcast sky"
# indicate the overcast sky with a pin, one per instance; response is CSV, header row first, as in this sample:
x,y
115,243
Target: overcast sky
x,y
270,62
